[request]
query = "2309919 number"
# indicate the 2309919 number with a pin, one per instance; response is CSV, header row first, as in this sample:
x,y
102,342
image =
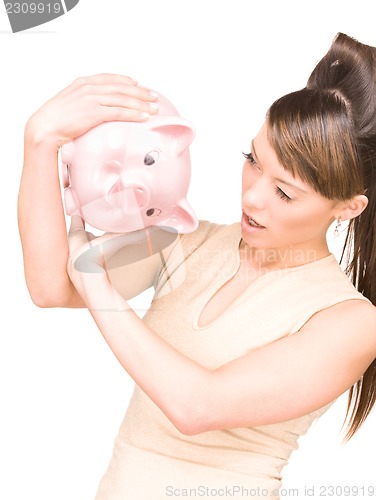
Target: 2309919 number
x,y
346,491
32,8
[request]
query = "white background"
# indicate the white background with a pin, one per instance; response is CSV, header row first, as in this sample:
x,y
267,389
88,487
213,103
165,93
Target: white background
x,y
221,63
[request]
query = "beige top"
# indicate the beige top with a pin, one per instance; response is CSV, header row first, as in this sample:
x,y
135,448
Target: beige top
x,y
152,460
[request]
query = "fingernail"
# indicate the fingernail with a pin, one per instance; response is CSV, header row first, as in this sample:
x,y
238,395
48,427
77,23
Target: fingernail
x,y
145,115
153,94
153,105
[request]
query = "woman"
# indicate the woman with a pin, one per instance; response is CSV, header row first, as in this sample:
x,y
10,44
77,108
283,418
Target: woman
x,y
254,329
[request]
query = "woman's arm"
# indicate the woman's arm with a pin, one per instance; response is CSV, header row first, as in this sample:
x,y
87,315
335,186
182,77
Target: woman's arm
x,y
42,227
280,381
84,104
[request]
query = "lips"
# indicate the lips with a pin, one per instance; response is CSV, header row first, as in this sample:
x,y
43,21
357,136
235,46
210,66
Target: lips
x,y
252,221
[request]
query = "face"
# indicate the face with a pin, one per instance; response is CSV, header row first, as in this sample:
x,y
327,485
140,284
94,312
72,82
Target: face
x,y
280,211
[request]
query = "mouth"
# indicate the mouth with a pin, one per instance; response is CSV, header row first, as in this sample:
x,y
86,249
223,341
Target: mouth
x,y
252,222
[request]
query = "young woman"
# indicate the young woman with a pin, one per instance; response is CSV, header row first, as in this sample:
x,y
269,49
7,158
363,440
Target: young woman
x,y
254,329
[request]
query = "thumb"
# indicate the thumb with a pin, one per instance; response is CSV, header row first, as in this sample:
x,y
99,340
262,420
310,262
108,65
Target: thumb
x,y
77,236
76,224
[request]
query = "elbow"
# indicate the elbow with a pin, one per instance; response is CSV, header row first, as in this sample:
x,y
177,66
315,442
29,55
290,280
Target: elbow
x,y
193,426
188,427
190,430
46,299
198,409
39,297
194,419
43,301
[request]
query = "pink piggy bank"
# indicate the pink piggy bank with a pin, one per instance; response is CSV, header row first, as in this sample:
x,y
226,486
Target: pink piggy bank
x,y
125,176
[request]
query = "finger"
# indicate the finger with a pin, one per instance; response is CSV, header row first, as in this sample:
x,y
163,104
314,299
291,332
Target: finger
x,y
119,114
103,79
136,91
100,78
76,224
77,236
128,103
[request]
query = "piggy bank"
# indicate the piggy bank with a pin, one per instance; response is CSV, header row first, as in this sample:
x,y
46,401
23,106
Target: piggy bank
x,y
125,176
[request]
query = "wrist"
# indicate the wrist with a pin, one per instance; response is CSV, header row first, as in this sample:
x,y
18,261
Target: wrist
x,y
37,137
98,294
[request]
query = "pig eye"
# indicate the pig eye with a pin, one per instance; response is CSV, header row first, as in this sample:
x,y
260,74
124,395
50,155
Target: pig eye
x,y
153,211
151,158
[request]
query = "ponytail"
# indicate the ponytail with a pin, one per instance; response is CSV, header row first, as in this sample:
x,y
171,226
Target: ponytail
x,y
361,268
325,133
349,68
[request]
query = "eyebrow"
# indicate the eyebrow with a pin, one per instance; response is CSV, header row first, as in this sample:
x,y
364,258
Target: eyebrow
x,y
287,183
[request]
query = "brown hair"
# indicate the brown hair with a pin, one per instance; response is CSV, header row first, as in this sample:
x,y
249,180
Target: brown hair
x,y
325,134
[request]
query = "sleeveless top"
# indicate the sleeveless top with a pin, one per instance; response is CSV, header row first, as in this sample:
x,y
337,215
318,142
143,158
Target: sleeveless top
x,y
151,458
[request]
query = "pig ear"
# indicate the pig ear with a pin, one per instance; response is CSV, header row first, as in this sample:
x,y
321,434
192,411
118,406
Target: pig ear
x,y
180,132
67,153
183,218
71,202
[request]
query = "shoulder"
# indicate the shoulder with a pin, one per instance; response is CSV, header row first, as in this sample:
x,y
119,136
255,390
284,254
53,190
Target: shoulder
x,y
352,320
358,311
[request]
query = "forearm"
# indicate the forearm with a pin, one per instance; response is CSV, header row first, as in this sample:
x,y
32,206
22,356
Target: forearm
x,y
42,226
177,385
84,104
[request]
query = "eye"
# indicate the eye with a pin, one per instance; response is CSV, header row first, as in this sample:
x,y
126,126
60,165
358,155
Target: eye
x,y
151,158
283,195
249,157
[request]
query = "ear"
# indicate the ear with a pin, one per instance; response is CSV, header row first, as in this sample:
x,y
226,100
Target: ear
x,y
180,131
72,206
67,153
183,218
354,207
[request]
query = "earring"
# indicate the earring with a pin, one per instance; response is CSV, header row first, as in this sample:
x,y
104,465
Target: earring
x,y
338,227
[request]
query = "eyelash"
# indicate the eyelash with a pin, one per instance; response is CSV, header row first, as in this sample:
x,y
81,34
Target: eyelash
x,y
282,195
278,191
249,157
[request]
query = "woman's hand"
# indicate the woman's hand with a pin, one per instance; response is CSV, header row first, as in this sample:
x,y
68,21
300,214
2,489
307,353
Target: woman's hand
x,y
87,102
88,261
90,279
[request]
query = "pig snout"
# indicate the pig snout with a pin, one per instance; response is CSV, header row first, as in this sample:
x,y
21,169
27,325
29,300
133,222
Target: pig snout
x,y
130,197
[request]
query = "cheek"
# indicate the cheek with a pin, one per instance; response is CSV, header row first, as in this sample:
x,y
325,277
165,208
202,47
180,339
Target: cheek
x,y
289,221
301,222
244,180
86,184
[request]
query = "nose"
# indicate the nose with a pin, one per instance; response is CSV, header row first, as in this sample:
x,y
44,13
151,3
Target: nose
x,y
254,195
130,196
134,197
